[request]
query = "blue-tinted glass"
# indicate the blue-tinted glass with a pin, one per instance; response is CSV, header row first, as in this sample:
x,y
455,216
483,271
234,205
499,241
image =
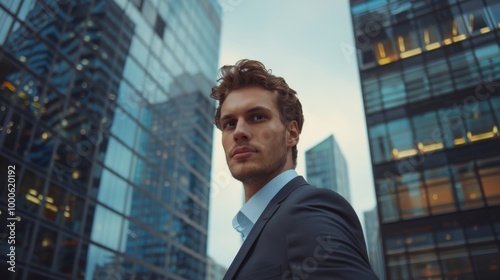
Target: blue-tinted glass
x,y
379,144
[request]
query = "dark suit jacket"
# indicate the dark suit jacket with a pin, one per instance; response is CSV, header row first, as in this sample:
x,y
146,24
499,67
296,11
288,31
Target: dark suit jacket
x,y
304,233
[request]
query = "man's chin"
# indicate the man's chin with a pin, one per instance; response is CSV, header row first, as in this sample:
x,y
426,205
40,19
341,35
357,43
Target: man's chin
x,y
244,174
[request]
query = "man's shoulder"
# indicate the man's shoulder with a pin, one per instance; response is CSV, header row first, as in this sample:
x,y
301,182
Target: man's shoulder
x,y
308,192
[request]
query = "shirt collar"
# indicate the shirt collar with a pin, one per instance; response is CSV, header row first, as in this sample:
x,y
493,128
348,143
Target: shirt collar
x,y
253,208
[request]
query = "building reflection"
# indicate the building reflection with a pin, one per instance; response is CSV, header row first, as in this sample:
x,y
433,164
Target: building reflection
x,y
430,74
102,114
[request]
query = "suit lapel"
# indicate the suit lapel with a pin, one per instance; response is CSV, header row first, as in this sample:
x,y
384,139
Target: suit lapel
x,y
260,224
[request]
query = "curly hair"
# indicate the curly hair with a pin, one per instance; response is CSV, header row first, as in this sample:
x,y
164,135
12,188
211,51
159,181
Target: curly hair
x,y
246,73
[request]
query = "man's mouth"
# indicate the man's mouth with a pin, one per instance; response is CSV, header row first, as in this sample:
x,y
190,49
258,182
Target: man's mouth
x,y
243,152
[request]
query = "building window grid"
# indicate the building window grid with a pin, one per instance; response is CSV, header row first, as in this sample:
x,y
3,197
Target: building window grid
x,y
399,193
458,28
400,257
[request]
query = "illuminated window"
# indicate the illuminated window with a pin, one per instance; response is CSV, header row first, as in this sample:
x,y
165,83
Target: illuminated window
x,y
490,180
454,30
411,196
467,187
439,190
387,199
476,22
431,37
427,132
480,122
385,52
402,140
408,44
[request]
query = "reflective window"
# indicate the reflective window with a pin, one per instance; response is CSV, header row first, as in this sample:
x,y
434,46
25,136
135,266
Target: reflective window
x,y
439,190
401,138
392,90
416,83
479,233
479,120
66,254
450,237
494,11
486,261
467,188
490,180
45,245
439,76
455,262
427,132
453,128
5,22
424,264
412,197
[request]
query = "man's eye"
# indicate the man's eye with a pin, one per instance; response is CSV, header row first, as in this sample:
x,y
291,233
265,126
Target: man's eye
x,y
259,117
229,124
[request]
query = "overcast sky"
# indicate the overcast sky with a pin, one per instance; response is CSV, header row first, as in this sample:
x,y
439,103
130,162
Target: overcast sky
x,y
310,44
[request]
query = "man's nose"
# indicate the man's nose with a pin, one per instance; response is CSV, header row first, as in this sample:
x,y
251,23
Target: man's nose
x,y
241,131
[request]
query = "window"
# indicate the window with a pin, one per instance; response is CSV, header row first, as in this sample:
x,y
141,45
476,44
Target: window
x,y
439,77
439,190
416,83
455,263
467,187
385,51
494,11
379,144
371,91
412,197
424,264
490,180
392,89
479,120
453,130
427,133
450,237
160,26
401,138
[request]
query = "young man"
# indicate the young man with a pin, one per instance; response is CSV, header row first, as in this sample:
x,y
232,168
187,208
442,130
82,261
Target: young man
x,y
291,229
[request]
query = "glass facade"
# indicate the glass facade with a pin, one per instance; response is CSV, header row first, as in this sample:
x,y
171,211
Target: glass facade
x,y
326,167
105,116
430,76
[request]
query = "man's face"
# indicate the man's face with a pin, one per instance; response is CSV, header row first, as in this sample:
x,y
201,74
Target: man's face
x,y
257,144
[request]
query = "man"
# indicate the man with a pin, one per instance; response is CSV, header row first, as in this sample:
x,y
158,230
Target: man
x,y
291,229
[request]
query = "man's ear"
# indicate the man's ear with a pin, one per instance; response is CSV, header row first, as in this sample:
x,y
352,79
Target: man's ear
x,y
292,134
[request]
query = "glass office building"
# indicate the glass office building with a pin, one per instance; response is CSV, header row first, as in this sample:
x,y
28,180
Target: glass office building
x,y
430,77
326,167
105,114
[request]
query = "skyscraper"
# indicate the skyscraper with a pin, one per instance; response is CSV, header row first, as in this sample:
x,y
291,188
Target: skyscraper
x,y
430,77
102,115
374,242
326,167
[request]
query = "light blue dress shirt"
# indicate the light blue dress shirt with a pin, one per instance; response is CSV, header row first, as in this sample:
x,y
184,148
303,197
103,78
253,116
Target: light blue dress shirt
x,y
247,216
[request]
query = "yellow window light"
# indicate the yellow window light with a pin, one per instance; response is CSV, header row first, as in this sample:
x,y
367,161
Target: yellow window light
x,y
484,30
459,141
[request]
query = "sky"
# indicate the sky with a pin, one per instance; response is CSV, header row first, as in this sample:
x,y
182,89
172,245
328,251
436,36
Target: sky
x,y
310,44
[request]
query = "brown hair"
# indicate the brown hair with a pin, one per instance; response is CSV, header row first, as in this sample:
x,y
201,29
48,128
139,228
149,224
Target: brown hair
x,y
247,73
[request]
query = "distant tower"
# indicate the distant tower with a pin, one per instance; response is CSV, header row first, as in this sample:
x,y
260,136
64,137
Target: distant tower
x,y
326,167
374,242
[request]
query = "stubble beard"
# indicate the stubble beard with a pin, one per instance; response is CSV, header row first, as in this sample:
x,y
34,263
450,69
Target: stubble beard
x,y
250,175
